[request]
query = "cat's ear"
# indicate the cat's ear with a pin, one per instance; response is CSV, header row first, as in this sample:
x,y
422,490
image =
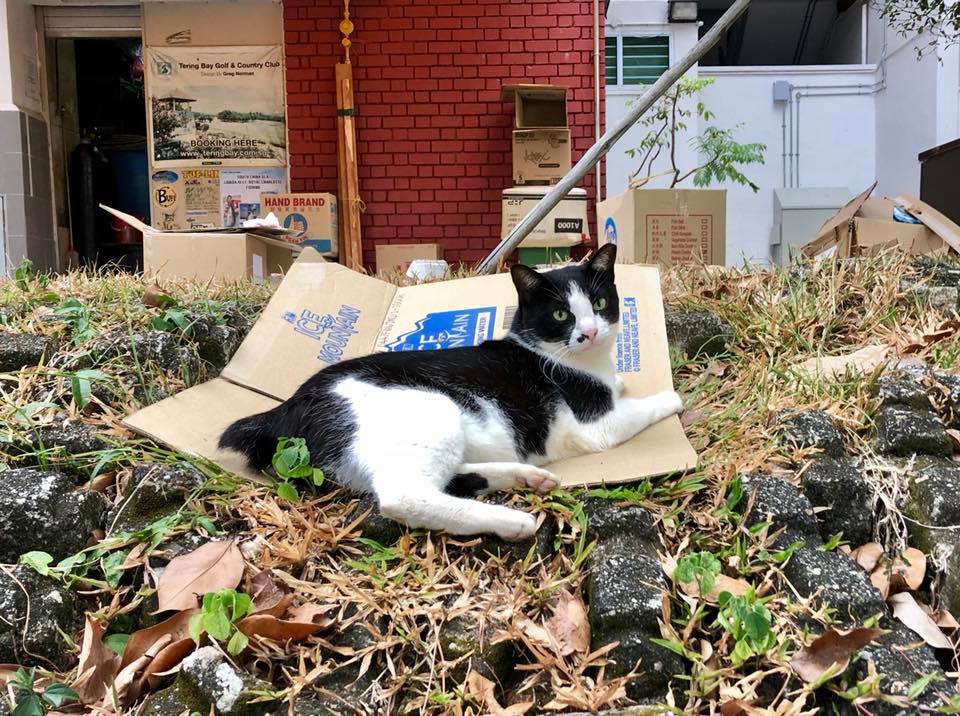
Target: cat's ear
x,y
604,259
525,279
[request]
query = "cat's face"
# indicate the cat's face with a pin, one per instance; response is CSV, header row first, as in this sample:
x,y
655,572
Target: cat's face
x,y
570,310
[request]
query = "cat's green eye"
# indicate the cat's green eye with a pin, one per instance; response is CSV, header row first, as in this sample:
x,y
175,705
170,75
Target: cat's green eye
x,y
560,315
599,304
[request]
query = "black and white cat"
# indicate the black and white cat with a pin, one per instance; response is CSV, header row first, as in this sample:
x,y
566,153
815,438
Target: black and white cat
x,y
424,431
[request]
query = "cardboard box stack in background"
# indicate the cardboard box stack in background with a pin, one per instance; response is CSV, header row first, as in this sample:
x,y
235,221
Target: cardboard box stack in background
x,y
312,219
666,226
541,157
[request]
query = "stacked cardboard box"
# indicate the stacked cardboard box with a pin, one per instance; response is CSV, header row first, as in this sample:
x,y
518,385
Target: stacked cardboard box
x,y
541,157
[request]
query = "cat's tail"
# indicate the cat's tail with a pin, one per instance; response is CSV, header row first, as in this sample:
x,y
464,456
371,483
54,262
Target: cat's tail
x,y
252,437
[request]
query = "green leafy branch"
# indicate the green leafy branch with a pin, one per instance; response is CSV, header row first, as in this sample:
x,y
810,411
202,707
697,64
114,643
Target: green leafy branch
x,y
218,618
291,461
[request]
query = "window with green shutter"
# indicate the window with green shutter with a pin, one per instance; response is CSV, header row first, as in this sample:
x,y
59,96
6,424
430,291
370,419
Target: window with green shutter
x,y
610,58
636,60
644,59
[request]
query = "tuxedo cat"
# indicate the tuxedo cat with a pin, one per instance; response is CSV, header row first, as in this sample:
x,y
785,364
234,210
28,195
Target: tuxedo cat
x,y
425,431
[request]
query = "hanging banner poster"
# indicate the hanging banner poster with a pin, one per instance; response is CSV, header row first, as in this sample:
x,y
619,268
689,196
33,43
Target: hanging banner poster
x,y
219,105
166,199
201,197
240,191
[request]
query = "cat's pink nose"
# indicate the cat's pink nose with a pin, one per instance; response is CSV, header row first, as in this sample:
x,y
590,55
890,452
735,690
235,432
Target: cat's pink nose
x,y
591,334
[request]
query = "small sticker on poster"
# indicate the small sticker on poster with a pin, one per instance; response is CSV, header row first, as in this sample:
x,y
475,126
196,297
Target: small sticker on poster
x,y
201,189
166,199
240,191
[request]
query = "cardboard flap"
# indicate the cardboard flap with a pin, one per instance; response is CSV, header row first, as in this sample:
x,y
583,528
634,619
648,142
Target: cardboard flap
x,y
508,93
193,420
828,231
932,219
263,232
321,313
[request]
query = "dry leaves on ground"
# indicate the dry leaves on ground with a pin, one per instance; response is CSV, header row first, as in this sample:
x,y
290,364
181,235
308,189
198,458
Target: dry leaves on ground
x,y
830,653
484,691
97,667
909,612
209,568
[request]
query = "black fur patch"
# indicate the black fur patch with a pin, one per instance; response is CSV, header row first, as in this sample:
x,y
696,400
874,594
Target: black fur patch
x,y
469,484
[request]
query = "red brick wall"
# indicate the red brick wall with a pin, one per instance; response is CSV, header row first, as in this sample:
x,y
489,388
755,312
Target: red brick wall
x,y
433,136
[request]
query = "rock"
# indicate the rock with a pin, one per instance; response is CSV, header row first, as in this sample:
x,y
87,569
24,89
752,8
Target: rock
x,y
342,693
157,347
938,273
625,588
698,334
943,299
152,492
23,350
901,658
43,511
934,503
375,526
781,503
904,432
216,342
900,389
605,518
808,429
206,678
838,582
950,387
463,638
50,608
839,486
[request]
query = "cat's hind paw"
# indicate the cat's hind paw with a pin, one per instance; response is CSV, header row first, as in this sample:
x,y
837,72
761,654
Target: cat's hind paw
x,y
619,387
516,526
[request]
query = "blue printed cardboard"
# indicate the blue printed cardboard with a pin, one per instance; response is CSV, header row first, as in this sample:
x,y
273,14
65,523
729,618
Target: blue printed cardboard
x,y
323,313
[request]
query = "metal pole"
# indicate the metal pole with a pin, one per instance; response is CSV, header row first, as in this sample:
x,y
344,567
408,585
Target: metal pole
x,y
598,150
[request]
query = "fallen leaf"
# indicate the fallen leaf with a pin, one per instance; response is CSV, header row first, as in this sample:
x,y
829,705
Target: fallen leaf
x,y
867,555
907,570
909,613
125,687
209,568
176,627
831,650
97,667
484,690
268,594
721,583
944,619
880,579
569,625
304,621
954,438
154,297
166,659
692,417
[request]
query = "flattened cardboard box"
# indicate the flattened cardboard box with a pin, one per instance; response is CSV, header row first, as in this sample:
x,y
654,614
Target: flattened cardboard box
x,y
865,226
666,226
323,313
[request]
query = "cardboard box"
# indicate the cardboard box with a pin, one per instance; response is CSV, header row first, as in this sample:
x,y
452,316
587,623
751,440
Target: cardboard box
x,y
311,217
323,313
565,225
666,226
537,106
213,253
865,226
541,155
396,258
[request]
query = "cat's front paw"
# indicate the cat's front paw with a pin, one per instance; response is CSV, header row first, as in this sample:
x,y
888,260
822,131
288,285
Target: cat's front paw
x,y
618,386
535,478
516,526
671,401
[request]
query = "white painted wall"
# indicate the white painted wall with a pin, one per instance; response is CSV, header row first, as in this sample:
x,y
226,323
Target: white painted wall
x,y
836,144
19,57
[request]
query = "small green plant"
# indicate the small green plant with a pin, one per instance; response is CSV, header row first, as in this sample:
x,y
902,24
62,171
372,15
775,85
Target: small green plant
x,y
749,622
668,118
81,385
25,275
218,619
77,316
172,319
701,567
30,703
291,461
